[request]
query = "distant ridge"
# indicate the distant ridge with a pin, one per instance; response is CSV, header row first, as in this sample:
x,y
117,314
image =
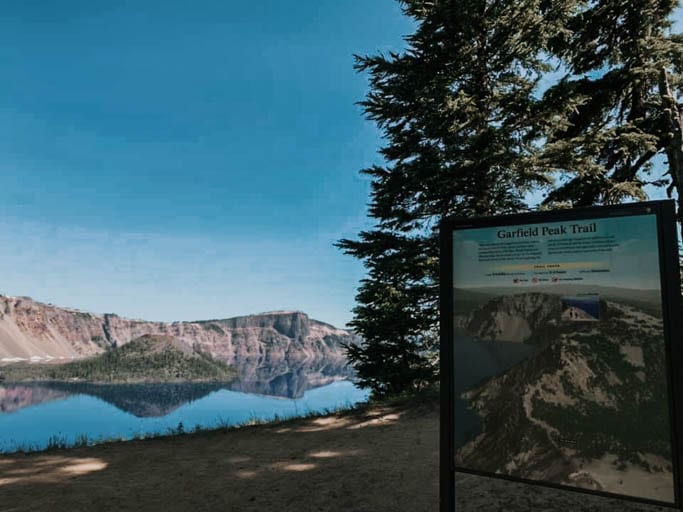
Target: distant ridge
x,y
275,312
34,331
279,312
649,300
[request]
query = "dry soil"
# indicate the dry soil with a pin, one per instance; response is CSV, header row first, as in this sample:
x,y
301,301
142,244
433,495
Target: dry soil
x,y
380,459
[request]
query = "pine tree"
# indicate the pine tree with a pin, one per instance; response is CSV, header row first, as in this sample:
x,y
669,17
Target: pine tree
x,y
457,111
618,105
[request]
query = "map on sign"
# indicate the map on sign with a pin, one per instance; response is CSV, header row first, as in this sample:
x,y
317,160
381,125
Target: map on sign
x,y
560,357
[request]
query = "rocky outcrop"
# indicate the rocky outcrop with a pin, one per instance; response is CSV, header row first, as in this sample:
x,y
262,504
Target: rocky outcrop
x,y
30,330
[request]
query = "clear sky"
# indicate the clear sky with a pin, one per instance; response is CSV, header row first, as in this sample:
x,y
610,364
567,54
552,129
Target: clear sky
x,y
173,160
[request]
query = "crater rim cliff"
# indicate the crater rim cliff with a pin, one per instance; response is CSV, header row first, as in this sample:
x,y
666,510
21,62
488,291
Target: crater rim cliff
x,y
36,331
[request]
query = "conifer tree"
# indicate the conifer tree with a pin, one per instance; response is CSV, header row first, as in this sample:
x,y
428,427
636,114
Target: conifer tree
x,y
618,106
457,111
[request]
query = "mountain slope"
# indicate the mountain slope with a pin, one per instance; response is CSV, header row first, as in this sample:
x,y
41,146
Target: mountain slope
x,y
589,409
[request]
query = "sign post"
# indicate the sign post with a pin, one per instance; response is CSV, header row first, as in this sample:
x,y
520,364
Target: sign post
x,y
561,351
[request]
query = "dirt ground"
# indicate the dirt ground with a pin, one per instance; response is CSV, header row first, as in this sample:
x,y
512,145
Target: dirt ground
x,y
383,459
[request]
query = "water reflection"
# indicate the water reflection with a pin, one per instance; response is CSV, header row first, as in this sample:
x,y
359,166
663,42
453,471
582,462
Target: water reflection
x,y
289,379
17,396
157,400
141,400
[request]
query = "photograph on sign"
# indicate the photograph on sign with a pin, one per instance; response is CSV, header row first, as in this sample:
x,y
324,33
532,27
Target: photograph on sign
x,y
560,355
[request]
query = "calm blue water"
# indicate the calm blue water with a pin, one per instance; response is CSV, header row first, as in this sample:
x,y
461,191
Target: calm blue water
x,y
475,361
69,416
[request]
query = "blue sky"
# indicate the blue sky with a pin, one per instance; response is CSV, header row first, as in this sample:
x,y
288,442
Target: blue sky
x,y
179,161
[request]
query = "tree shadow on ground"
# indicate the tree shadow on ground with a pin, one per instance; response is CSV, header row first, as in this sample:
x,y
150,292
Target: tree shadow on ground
x,y
376,460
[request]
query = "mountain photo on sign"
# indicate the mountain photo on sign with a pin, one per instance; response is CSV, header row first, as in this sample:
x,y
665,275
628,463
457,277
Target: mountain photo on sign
x,y
560,356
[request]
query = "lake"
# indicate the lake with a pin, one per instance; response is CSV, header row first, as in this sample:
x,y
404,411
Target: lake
x,y
474,361
32,414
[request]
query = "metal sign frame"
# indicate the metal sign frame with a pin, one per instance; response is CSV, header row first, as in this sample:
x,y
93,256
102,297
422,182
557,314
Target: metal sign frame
x,y
672,316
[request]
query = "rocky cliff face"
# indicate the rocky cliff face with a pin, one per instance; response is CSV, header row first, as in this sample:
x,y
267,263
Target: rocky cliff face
x,y
30,330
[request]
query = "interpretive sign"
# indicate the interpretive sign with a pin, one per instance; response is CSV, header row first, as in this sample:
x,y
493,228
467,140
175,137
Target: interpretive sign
x,y
560,336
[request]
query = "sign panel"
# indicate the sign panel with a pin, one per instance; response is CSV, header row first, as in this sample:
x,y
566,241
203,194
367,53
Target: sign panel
x,y
559,352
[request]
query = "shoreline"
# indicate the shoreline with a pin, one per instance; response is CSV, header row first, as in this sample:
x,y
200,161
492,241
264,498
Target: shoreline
x,y
378,458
